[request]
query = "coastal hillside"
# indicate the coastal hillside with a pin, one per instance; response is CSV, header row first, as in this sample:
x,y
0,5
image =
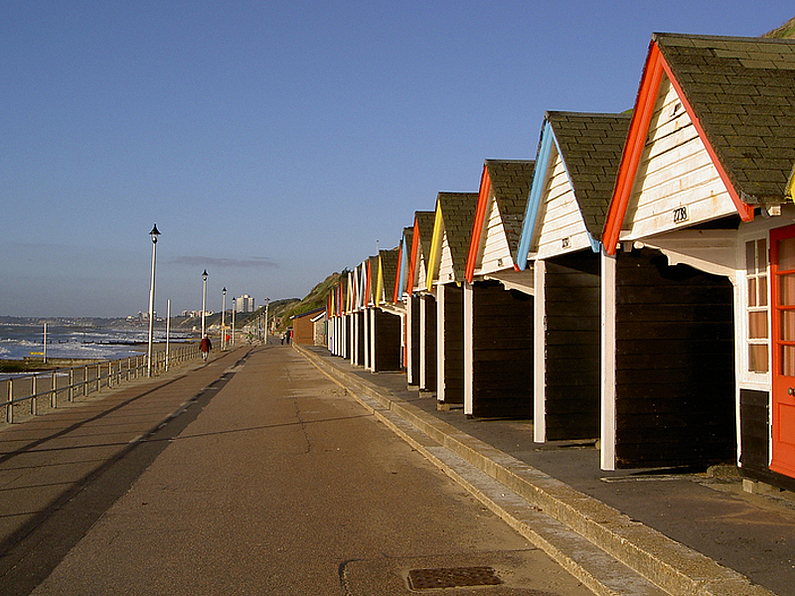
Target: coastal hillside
x,y
786,31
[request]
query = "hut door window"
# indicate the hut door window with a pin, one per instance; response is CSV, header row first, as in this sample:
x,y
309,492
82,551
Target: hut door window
x,y
756,305
782,261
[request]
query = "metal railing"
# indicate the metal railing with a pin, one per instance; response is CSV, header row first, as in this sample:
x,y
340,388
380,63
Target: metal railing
x,y
86,379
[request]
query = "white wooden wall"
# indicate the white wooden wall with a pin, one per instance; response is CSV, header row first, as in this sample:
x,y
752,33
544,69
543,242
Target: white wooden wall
x,y
675,173
446,273
495,252
562,226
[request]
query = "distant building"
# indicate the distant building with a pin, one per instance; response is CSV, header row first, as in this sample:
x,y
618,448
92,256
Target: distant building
x,y
304,331
244,304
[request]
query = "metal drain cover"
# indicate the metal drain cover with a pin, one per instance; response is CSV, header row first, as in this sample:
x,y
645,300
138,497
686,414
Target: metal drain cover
x,y
456,577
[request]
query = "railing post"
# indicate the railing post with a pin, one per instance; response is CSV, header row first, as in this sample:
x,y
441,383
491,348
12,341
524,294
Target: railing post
x,y
10,406
54,391
99,378
72,384
33,404
85,380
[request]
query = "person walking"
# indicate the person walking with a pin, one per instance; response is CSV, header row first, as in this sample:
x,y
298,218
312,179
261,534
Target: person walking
x,y
205,345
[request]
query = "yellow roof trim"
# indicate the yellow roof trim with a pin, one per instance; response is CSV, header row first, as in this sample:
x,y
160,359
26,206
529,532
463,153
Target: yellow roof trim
x,y
435,254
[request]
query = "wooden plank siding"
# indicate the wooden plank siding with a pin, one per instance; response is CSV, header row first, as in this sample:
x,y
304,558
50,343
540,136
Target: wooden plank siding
x,y
674,364
452,360
755,440
560,216
496,252
502,352
387,341
360,338
675,170
428,355
413,340
572,302
446,271
755,430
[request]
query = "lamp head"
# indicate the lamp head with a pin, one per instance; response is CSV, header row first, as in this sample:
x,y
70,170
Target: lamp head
x,y
154,234
204,275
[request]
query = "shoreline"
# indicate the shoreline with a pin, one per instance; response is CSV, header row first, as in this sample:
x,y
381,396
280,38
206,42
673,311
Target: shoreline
x,y
36,364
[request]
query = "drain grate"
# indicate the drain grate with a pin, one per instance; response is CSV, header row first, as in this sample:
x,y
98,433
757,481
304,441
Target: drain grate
x,y
427,579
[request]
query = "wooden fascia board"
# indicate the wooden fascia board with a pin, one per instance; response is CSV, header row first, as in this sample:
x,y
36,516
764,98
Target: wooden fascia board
x,y
534,199
633,150
379,286
363,286
398,292
411,281
791,185
481,214
636,141
367,285
351,297
435,253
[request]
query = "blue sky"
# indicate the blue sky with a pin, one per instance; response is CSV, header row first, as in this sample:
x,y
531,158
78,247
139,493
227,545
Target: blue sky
x,y
276,142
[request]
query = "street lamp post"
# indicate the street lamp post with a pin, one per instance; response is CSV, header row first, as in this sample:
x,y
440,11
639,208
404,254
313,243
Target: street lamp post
x,y
204,298
267,303
153,235
234,308
223,319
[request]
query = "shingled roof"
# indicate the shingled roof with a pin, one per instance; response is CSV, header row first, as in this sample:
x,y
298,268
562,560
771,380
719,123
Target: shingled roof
x,y
591,146
458,214
741,91
425,228
510,185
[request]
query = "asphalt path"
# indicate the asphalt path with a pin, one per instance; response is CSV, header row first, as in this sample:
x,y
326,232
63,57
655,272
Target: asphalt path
x,y
268,479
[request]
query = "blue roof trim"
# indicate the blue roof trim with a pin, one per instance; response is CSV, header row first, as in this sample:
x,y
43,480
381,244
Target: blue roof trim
x,y
404,260
533,201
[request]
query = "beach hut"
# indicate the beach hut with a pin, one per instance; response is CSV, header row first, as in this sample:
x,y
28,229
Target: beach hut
x,y
357,306
696,275
452,232
420,308
386,317
304,326
577,162
498,300
400,297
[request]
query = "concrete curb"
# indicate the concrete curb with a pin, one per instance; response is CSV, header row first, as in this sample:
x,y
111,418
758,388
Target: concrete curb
x,y
666,563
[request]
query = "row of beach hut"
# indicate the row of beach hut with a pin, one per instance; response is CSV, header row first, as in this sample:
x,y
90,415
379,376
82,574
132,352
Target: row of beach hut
x,y
633,284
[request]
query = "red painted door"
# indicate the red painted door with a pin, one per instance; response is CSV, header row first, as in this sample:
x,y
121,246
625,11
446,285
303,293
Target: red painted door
x,y
782,262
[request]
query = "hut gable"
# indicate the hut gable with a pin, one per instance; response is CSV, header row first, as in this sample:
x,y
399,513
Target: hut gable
x,y
725,100
420,244
504,187
578,158
452,235
401,275
388,273
372,281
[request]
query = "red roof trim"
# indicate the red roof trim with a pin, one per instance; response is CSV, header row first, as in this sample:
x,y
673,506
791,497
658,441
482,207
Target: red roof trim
x,y
477,227
395,297
636,140
745,211
415,237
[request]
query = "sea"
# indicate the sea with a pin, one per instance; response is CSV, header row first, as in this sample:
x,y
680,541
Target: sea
x,y
18,341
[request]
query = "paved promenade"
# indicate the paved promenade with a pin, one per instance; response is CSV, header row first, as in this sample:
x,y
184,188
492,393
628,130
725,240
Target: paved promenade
x,y
84,492
59,472
697,532
254,474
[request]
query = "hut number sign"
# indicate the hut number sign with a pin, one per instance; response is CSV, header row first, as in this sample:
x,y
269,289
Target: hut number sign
x,y
680,214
